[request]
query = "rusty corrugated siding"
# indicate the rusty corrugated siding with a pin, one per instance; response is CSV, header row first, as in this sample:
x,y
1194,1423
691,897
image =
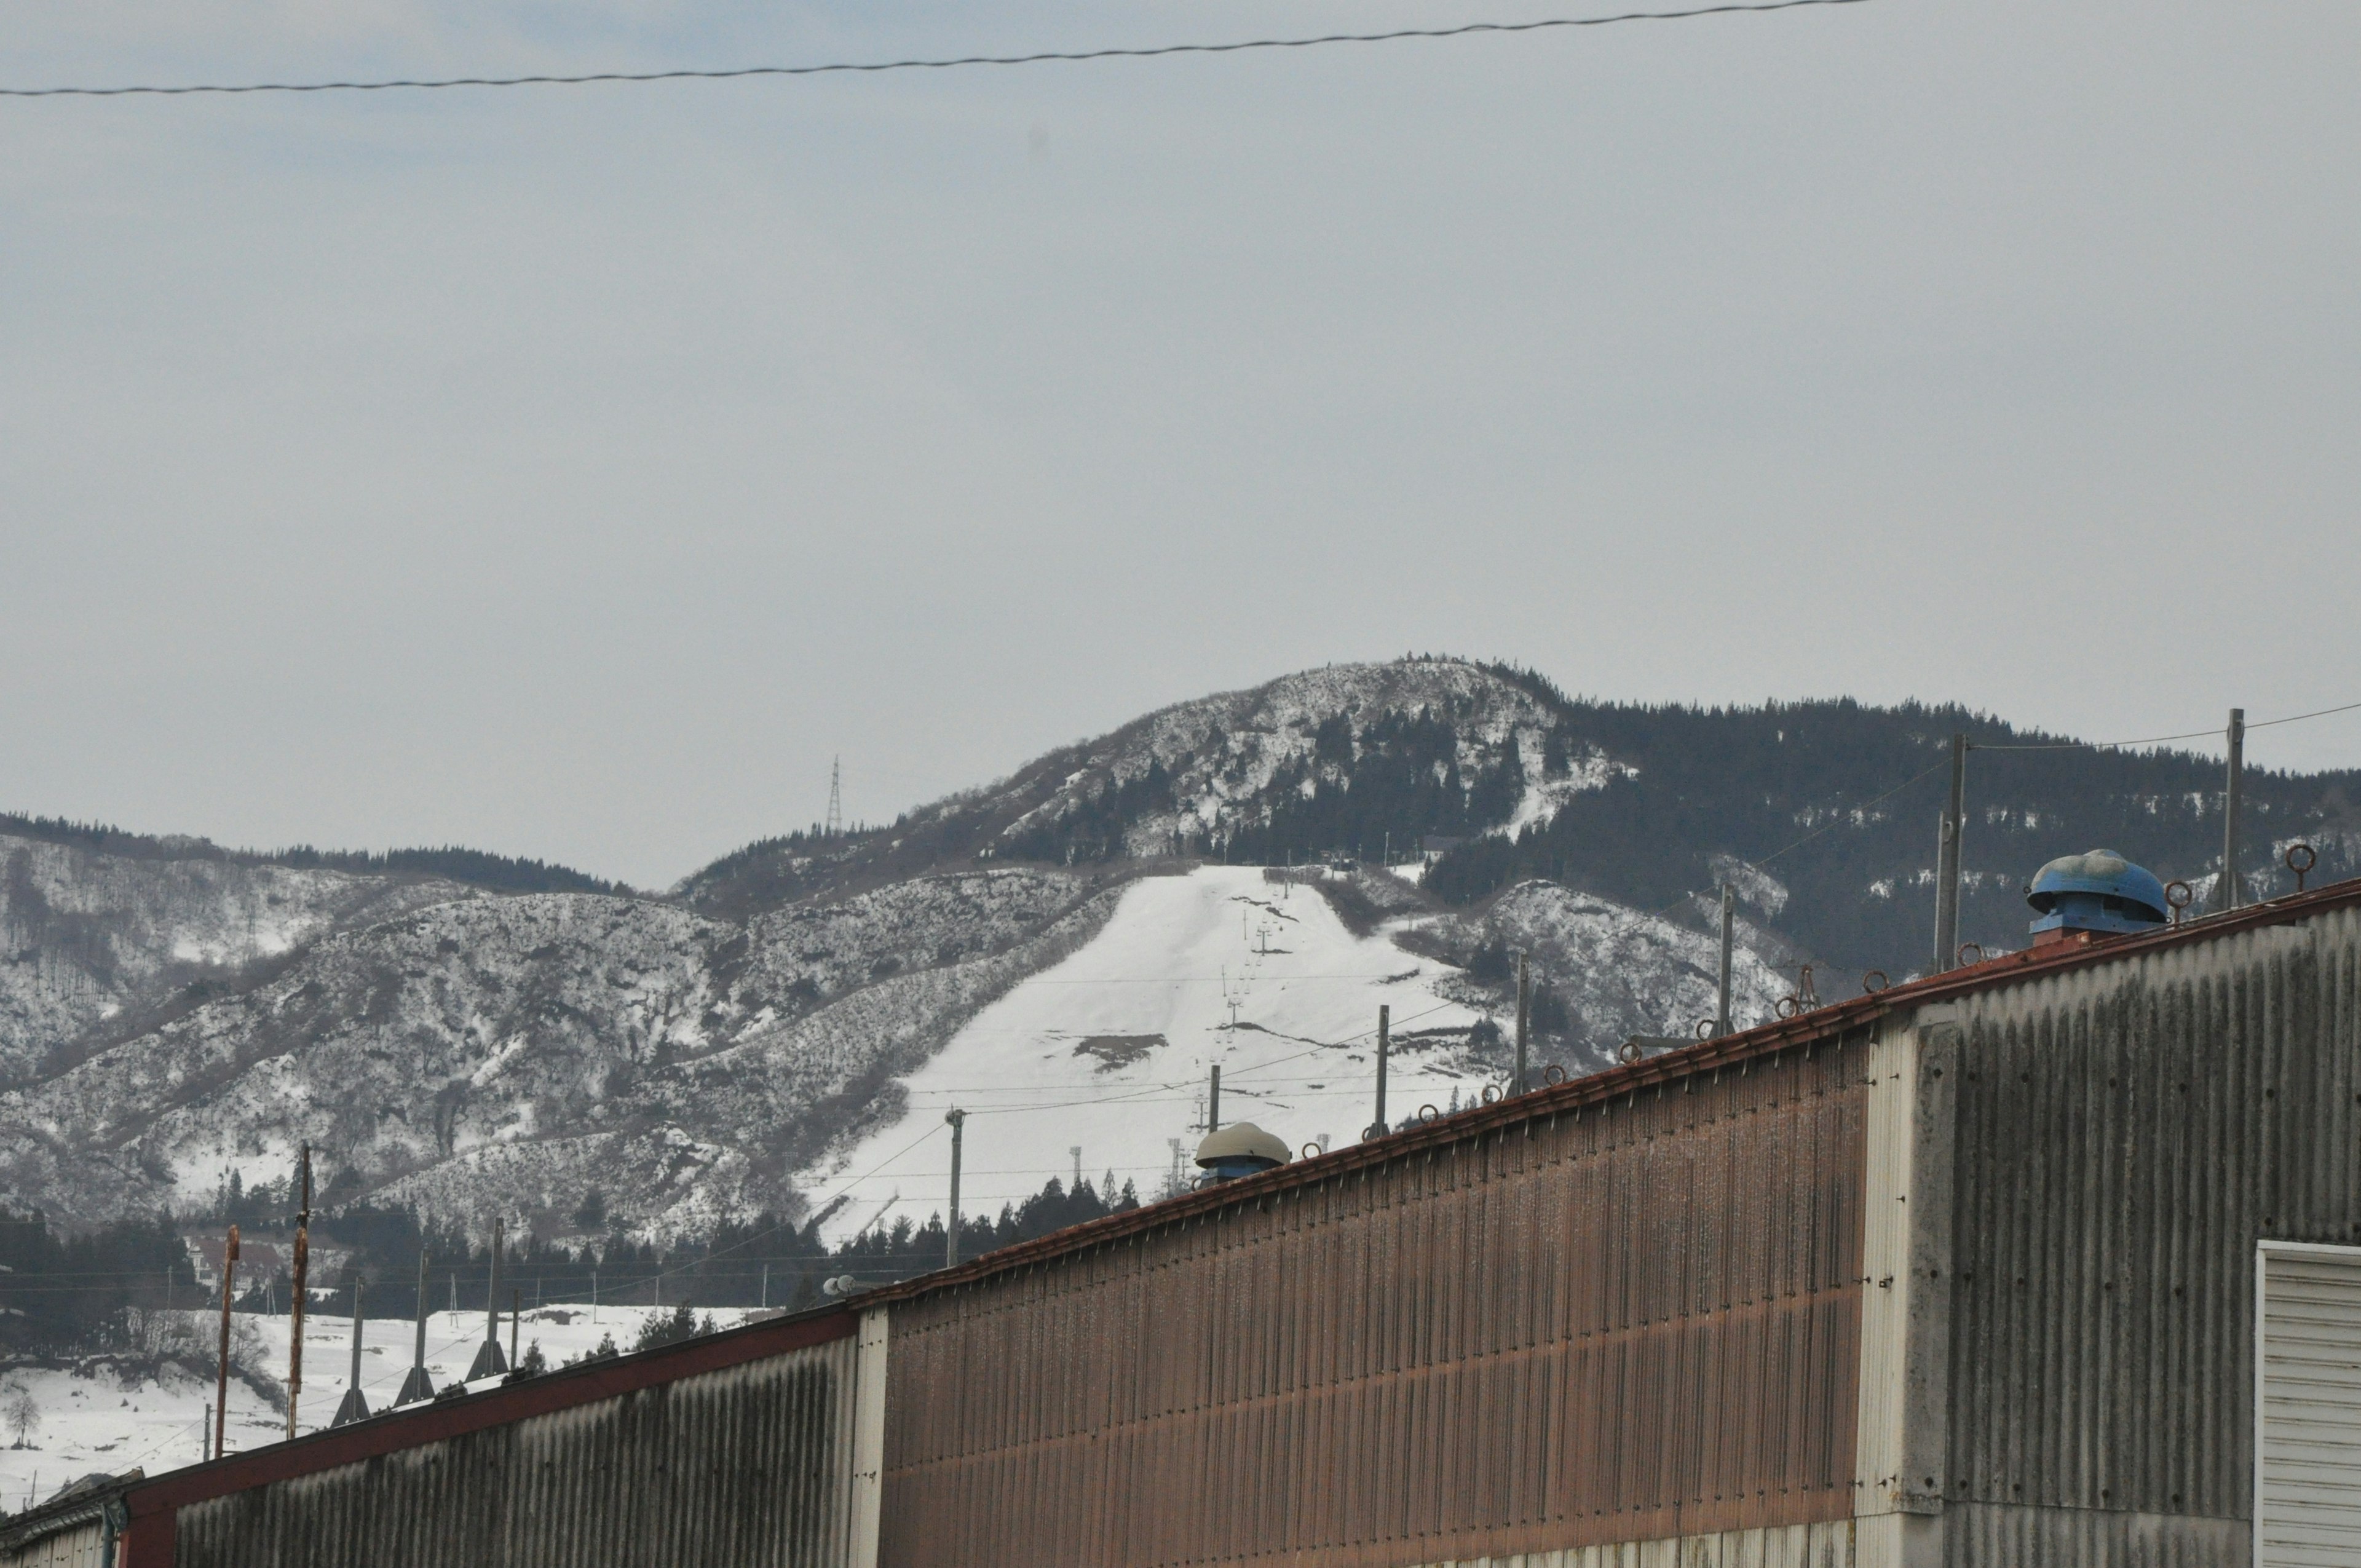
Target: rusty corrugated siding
x,y
2126,1133
744,1467
1629,1319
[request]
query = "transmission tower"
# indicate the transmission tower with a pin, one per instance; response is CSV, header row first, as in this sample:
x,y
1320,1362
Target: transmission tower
x,y
835,796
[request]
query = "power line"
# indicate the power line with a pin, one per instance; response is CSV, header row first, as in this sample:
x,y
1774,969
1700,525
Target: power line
x,y
872,67
2316,713
2157,739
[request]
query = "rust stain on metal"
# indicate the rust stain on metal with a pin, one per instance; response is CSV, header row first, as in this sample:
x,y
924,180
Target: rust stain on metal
x,y
741,1465
1625,1320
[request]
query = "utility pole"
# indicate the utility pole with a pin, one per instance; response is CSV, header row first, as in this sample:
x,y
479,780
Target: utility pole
x,y
1524,1018
221,1373
516,1311
958,1119
356,1404
1385,1022
1214,1105
1947,862
301,1298
2233,797
489,1362
1077,1152
1729,921
418,1384
835,796
766,1287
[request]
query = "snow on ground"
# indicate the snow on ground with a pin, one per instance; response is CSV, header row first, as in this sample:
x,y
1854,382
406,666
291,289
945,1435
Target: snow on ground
x,y
1109,1050
97,1423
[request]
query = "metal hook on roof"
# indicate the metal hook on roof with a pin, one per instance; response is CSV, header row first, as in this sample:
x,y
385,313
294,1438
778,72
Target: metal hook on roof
x,y
1964,959
1878,975
2310,859
1491,1095
1704,1030
2180,895
1428,1113
1553,1074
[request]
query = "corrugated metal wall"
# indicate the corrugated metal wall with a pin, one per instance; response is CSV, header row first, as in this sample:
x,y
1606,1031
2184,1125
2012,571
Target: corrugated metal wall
x,y
1635,1320
747,1466
2126,1133
80,1546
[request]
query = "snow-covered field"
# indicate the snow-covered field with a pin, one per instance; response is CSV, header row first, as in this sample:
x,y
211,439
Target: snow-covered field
x,y
96,1424
1110,1050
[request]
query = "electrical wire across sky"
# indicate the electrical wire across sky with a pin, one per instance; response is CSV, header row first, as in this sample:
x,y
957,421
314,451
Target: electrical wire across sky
x,y
1041,57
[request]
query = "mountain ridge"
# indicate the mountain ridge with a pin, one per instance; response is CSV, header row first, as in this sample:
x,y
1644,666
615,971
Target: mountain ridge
x,y
169,1011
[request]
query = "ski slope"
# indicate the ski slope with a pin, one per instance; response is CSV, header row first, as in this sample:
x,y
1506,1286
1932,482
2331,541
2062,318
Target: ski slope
x,y
1110,1051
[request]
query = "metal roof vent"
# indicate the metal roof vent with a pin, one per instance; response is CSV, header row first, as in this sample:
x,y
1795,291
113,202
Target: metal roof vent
x,y
1240,1149
2100,891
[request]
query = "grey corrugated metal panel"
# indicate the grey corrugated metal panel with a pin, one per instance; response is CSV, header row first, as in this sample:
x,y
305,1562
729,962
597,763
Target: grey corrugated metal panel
x,y
61,1542
2127,1132
1617,1323
77,1542
739,1465
1992,1535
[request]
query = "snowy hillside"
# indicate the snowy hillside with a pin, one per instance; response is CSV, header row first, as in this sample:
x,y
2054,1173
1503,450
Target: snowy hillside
x,y
1254,972
508,1055
86,935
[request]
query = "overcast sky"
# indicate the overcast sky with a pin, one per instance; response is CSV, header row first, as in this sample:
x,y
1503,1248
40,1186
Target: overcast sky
x,y
572,472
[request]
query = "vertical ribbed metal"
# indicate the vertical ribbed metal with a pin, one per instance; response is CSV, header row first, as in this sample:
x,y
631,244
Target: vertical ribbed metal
x,y
742,1466
77,1546
2126,1133
1635,1320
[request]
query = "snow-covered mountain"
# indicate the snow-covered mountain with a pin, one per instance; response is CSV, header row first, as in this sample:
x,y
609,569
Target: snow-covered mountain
x,y
477,1054
786,1019
1334,755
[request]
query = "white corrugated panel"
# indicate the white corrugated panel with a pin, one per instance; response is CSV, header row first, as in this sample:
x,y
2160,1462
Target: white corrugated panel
x,y
2308,1407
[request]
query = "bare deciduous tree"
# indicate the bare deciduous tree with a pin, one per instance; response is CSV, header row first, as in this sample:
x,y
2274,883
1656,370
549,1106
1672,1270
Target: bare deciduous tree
x,y
21,1412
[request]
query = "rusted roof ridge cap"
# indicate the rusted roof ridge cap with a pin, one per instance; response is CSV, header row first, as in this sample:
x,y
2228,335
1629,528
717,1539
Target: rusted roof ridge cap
x,y
1443,1132
433,1420
2033,962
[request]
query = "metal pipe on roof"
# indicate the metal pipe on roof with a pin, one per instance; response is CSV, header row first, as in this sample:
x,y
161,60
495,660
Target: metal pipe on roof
x,y
1385,1024
1214,1105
